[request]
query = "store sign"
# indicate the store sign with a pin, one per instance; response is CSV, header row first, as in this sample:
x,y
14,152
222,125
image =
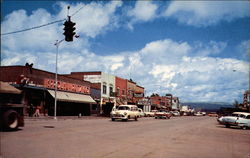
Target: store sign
x,y
49,83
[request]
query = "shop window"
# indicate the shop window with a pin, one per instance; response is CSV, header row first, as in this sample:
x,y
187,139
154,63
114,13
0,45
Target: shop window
x,y
104,89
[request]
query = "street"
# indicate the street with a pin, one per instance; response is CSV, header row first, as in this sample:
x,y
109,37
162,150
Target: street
x,y
178,137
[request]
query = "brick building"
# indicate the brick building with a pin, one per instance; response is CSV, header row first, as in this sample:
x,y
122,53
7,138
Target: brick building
x,y
73,95
121,90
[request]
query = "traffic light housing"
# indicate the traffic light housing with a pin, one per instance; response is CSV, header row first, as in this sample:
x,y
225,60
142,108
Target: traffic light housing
x,y
69,30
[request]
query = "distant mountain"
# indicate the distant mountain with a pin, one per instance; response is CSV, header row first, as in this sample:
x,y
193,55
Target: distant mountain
x,y
208,105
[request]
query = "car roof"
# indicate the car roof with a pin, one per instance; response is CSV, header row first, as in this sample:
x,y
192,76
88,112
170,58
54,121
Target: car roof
x,y
244,113
128,105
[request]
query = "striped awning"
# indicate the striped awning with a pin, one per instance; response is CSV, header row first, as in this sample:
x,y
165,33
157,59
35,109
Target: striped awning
x,y
72,97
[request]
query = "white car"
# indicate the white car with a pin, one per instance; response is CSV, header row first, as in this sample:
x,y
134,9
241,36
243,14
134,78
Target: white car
x,y
244,121
150,113
142,114
198,114
125,112
175,113
231,120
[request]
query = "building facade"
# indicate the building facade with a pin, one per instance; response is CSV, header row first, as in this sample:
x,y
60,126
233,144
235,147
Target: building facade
x,y
72,95
121,91
106,84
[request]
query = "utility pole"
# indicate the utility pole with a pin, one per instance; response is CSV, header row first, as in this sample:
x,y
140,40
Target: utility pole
x,y
57,47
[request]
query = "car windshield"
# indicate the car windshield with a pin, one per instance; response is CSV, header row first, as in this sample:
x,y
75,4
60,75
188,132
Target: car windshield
x,y
123,108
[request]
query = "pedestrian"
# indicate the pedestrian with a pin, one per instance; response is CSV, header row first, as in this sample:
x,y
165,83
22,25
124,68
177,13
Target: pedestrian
x,y
37,112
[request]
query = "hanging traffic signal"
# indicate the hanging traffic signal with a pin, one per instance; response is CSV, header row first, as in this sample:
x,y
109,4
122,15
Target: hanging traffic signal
x,y
69,30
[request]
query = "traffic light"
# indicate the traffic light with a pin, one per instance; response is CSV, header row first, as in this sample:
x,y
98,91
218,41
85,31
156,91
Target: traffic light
x,y
69,30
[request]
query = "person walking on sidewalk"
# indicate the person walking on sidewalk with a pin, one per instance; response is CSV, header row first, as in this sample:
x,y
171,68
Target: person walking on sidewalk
x,y
37,112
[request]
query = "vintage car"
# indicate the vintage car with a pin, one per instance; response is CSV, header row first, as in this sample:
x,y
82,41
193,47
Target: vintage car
x,y
125,112
244,121
198,114
162,114
142,114
150,113
175,113
213,114
231,120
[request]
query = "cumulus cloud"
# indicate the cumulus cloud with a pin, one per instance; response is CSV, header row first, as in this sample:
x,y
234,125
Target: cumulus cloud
x,y
244,47
142,12
205,13
94,18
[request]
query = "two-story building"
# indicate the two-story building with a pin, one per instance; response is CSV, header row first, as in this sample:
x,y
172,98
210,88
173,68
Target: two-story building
x,y
106,83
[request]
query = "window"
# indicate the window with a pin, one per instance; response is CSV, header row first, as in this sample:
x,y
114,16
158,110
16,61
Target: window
x,y
110,90
118,91
104,89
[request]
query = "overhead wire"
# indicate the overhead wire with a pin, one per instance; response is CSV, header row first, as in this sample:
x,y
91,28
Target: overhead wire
x,y
32,28
8,33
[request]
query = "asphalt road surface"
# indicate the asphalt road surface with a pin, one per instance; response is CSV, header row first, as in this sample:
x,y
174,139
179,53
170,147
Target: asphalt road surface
x,y
178,137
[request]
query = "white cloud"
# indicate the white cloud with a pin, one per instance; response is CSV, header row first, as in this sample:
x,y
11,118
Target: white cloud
x,y
143,11
204,13
244,48
94,18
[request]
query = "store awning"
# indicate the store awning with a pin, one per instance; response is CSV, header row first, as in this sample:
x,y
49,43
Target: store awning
x,y
72,97
7,88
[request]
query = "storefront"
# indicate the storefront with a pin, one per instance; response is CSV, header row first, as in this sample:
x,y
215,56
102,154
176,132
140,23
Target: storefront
x,y
73,96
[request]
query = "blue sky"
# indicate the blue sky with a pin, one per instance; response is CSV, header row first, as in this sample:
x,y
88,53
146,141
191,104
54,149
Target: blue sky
x,y
189,49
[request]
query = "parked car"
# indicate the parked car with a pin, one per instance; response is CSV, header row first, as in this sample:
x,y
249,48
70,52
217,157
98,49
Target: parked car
x,y
236,119
198,114
151,113
244,121
175,113
163,114
142,114
213,114
125,112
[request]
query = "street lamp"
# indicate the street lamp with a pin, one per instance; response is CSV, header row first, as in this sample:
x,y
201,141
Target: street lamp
x,y
55,105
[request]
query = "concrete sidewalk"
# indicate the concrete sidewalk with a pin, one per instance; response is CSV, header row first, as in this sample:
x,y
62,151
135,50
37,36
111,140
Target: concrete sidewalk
x,y
64,117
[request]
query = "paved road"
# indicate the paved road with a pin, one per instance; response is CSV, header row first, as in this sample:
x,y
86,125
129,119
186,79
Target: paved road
x,y
179,137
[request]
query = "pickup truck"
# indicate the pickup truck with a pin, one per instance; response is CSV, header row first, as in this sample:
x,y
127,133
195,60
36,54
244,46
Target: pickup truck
x,y
11,107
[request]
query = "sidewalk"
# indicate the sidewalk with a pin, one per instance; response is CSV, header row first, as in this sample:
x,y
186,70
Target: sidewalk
x,y
64,117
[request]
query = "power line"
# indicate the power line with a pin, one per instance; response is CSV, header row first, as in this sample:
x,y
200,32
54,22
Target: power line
x,y
77,11
8,33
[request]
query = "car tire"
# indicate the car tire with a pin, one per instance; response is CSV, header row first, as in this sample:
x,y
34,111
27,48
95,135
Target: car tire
x,y
227,126
113,119
156,118
136,119
10,120
244,127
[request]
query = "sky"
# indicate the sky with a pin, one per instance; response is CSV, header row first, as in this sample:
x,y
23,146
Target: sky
x,y
196,50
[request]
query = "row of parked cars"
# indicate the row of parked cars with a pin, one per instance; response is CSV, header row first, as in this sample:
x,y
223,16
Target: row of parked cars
x,y
126,112
240,119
